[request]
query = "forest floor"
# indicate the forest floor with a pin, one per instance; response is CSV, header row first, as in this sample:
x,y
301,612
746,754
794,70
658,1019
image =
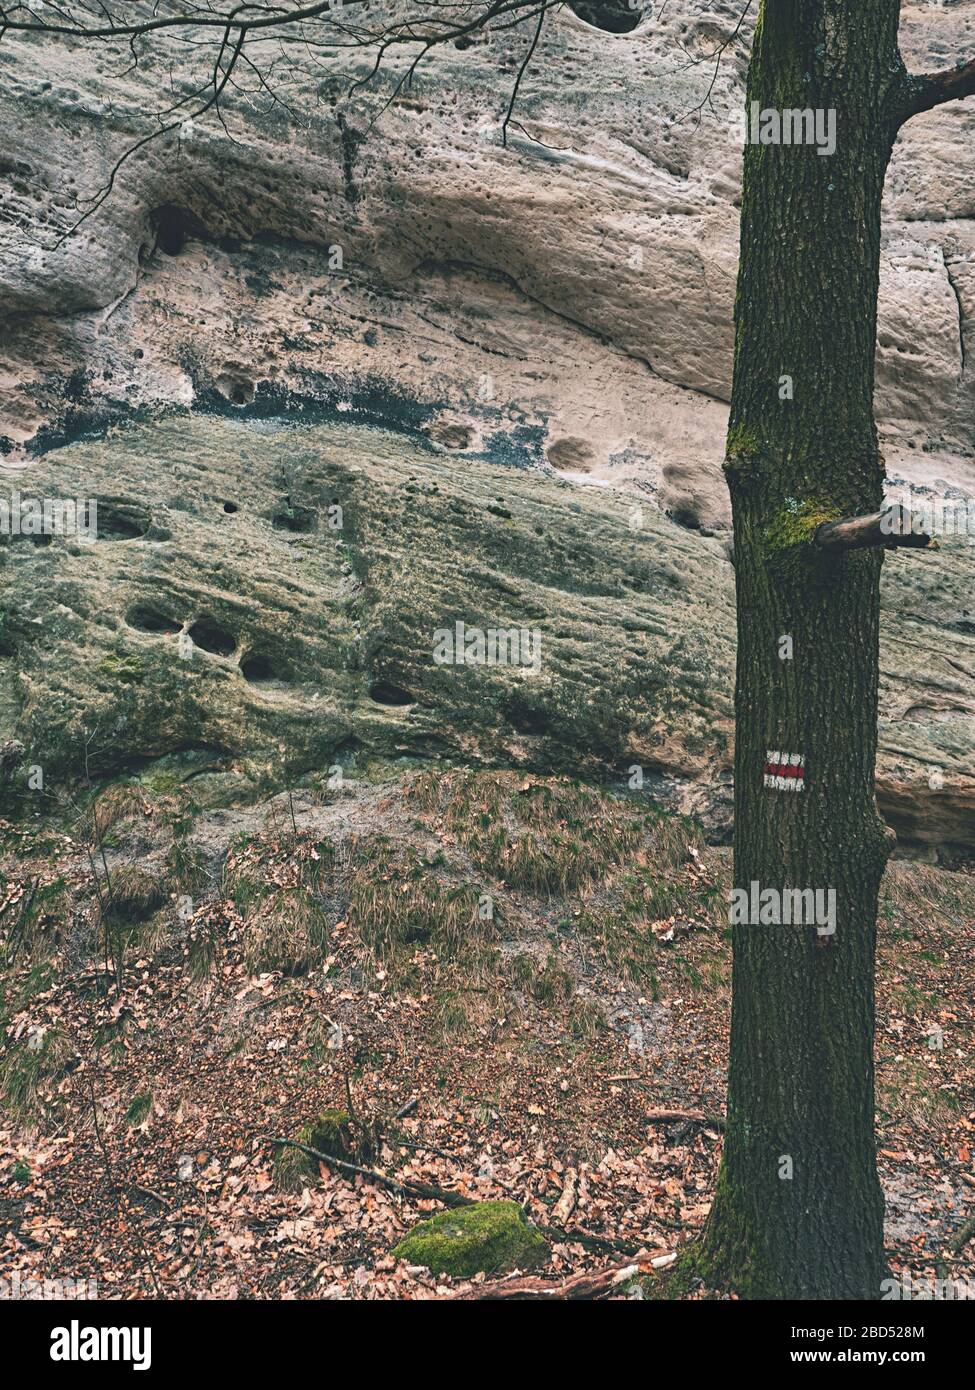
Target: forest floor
x,y
499,978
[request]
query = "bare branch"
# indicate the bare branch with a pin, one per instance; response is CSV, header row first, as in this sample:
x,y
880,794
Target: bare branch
x,y
893,527
925,92
196,20
521,72
218,81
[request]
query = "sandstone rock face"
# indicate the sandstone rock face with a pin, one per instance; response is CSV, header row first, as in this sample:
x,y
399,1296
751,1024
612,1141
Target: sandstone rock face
x,y
264,602
267,603
546,319
575,275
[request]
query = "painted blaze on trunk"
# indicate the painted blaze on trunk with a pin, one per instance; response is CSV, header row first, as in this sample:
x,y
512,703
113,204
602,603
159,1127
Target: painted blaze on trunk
x,y
798,1211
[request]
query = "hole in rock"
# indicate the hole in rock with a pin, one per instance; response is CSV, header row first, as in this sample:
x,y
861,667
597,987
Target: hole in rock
x,y
386,693
231,507
237,389
145,618
615,16
258,668
294,517
685,515
120,521
211,637
174,227
573,455
528,718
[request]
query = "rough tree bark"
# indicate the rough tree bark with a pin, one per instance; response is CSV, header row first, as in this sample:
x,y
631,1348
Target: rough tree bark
x,y
798,1211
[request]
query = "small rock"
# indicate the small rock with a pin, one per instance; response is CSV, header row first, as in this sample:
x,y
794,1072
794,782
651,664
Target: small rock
x,y
488,1237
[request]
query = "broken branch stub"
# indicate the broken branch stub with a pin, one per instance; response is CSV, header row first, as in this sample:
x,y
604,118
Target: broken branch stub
x,y
895,526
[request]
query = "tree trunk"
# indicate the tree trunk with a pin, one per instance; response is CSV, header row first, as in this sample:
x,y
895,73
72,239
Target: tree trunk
x,y
798,1211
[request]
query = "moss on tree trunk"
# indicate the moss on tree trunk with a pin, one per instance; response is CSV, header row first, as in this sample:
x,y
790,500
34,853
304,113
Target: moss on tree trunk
x,y
798,1211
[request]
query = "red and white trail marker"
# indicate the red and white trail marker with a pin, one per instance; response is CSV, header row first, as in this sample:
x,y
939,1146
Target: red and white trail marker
x,y
784,772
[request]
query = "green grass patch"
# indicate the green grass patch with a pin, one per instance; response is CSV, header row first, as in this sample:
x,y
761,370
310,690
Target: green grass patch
x,y
139,1108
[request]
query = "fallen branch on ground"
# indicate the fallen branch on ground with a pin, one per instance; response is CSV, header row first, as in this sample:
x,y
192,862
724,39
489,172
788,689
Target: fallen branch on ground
x,y
449,1199
589,1286
402,1189
589,1241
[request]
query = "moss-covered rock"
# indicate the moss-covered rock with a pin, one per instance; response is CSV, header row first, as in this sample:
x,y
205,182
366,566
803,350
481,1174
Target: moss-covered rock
x,y
329,1134
489,1238
239,655
249,637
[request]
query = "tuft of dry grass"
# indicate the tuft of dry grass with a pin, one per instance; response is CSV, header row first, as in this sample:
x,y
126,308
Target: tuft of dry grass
x,y
138,1109
913,1090
115,805
550,983
630,866
35,918
915,891
134,894
186,868
548,837
288,931
553,986
281,891
396,899
201,948
28,1069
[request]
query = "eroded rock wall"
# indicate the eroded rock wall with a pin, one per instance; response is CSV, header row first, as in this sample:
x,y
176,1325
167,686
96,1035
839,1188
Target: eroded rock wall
x,y
578,278
526,316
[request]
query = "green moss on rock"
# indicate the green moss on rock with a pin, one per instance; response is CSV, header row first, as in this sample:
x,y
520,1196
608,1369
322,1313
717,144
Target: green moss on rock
x,y
489,1238
419,555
